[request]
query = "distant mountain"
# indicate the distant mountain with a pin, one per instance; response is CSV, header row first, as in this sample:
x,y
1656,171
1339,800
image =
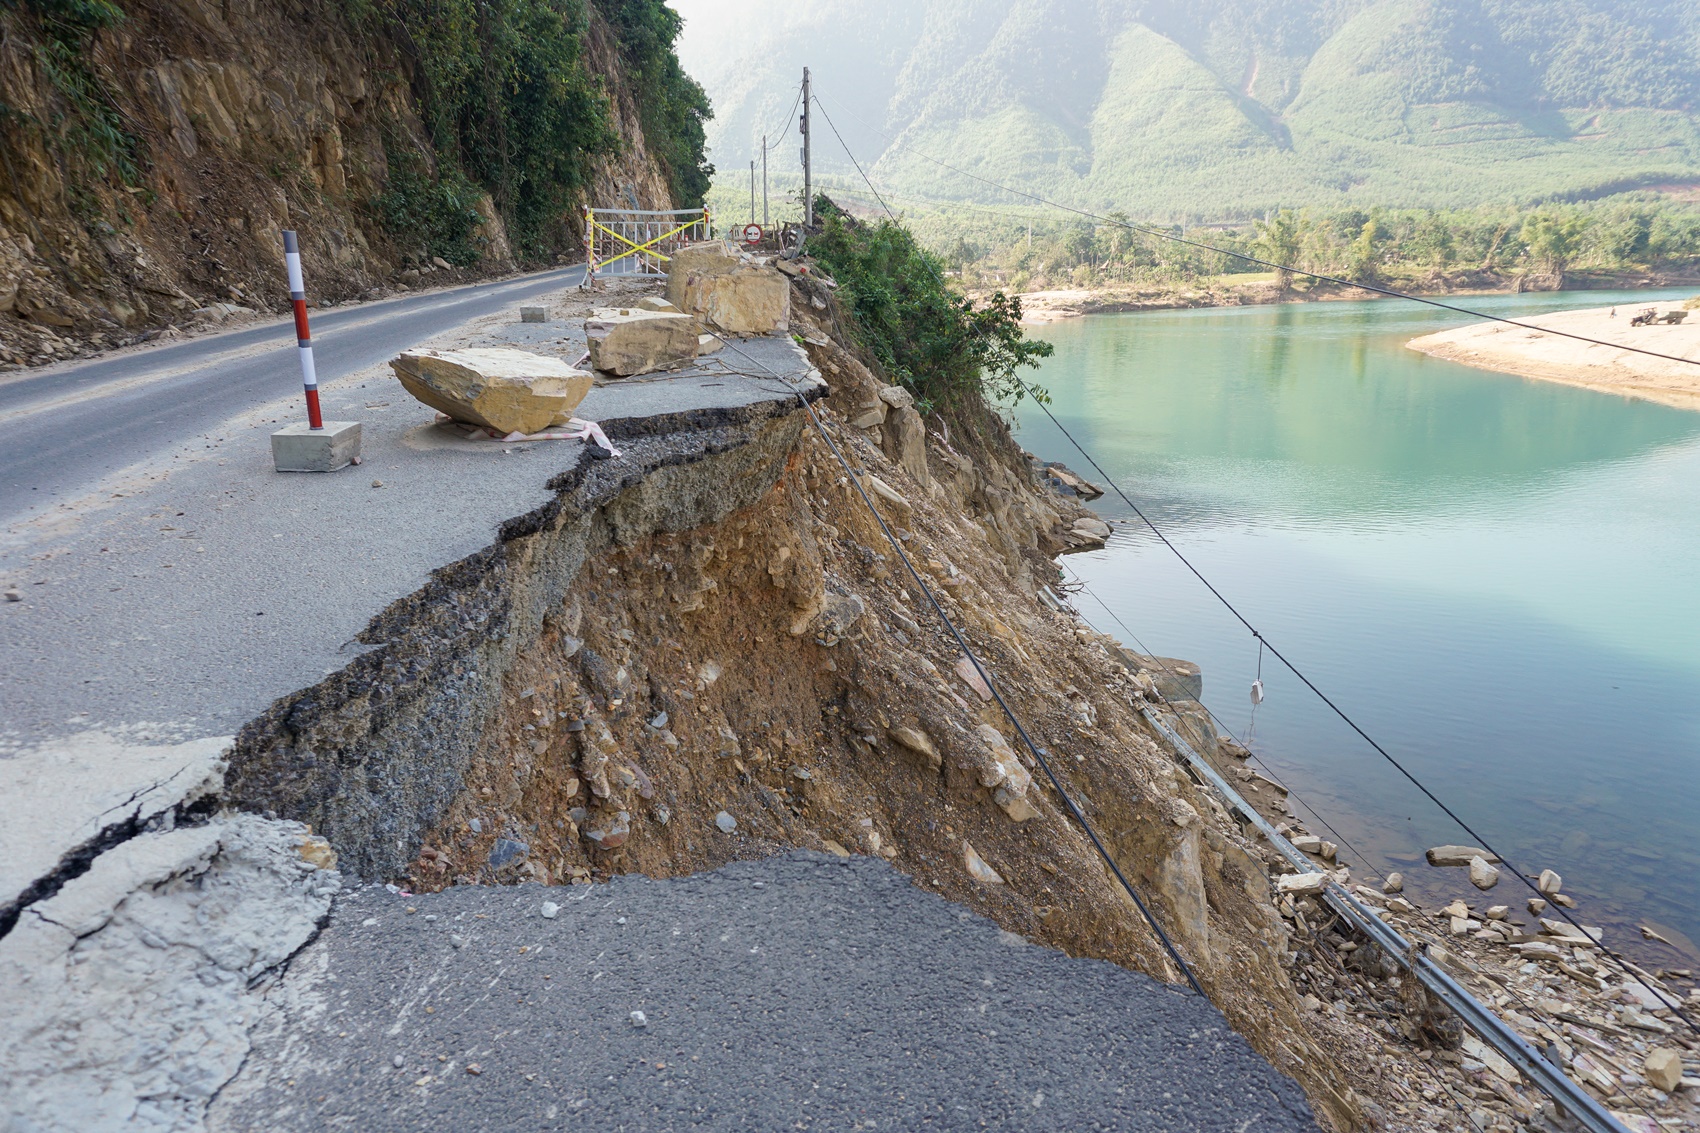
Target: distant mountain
x,y
1225,107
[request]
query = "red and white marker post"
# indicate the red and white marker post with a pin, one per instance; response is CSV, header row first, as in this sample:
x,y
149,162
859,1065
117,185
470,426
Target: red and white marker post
x,y
303,338
323,446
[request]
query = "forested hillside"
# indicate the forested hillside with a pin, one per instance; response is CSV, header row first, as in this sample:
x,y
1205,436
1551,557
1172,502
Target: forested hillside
x,y
152,150
1208,109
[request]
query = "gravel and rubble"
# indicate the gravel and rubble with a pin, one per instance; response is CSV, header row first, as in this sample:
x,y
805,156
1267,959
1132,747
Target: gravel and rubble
x,y
1611,1025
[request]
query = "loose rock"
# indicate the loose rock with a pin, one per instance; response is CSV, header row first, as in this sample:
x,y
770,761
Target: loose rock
x,y
1458,855
977,867
611,833
506,391
1663,1068
1302,884
917,741
711,280
726,822
507,850
628,341
1549,882
1482,875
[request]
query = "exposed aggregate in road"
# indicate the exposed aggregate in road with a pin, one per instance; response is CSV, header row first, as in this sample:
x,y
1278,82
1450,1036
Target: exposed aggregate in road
x,y
799,992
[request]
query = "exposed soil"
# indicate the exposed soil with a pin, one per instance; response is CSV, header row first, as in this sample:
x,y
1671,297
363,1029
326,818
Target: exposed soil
x,y
249,119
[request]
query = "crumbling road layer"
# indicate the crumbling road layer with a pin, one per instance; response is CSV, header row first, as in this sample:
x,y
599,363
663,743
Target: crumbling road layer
x,y
709,653
765,995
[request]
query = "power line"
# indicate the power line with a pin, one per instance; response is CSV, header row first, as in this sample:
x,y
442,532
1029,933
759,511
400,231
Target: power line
x,y
853,160
790,119
1279,267
1350,723
985,676
1564,913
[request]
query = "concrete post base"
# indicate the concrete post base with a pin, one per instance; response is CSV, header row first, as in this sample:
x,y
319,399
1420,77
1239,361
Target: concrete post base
x,y
297,448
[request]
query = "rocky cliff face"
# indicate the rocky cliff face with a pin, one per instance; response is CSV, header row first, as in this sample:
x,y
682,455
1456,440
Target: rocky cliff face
x,y
243,119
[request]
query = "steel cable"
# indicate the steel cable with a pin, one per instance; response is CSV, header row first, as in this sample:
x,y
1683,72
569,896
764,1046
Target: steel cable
x,y
1279,267
1658,996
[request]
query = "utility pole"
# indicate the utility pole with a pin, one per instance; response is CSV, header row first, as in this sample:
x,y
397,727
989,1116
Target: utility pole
x,y
808,180
752,190
764,182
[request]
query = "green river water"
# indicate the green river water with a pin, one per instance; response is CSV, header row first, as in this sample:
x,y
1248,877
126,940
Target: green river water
x,y
1499,579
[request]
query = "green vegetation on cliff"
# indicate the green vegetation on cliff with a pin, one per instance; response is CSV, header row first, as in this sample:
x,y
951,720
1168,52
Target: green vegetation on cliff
x,y
513,106
946,350
512,97
84,126
672,105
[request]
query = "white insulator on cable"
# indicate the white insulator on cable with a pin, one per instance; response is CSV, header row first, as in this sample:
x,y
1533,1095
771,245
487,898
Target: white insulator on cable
x,y
1257,692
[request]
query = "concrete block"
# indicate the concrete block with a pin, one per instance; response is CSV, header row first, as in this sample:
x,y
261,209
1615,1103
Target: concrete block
x,y
534,314
297,448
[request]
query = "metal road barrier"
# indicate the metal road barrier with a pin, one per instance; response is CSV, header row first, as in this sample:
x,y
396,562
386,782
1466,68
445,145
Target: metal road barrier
x,y
637,241
1493,1030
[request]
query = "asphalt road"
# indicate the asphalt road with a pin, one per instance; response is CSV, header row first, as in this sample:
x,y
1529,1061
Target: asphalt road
x,y
799,992
185,585
64,427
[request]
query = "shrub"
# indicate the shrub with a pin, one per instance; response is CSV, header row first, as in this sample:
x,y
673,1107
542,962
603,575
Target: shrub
x,y
944,349
431,216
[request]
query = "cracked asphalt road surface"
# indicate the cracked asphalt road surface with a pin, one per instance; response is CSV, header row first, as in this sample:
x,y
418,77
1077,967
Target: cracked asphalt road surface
x,y
63,427
799,992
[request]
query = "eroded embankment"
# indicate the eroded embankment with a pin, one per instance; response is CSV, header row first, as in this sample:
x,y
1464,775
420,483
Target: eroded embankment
x,y
709,652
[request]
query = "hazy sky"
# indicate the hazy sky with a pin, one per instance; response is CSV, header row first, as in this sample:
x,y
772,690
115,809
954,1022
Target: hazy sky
x,y
718,31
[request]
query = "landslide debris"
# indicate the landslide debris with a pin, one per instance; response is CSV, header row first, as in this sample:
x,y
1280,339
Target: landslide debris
x,y
775,679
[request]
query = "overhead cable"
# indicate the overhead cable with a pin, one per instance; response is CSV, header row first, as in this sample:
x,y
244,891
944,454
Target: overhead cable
x,y
790,120
1623,962
984,675
1279,267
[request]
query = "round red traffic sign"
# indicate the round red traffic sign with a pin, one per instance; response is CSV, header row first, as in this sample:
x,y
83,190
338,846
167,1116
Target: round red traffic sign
x,y
753,233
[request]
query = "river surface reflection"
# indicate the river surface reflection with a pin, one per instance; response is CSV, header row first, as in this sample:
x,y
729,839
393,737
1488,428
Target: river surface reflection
x,y
1498,578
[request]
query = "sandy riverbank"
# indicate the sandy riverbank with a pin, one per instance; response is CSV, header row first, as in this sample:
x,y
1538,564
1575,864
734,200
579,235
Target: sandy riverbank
x,y
1056,304
1511,349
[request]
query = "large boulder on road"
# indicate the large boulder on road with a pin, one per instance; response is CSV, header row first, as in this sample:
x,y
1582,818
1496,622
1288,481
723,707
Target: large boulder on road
x,y
728,291
506,391
627,341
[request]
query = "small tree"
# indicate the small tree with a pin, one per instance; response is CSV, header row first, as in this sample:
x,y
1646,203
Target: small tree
x,y
1552,239
1278,241
946,349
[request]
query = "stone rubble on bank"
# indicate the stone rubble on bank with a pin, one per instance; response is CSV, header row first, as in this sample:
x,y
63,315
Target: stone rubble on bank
x,y
1549,979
